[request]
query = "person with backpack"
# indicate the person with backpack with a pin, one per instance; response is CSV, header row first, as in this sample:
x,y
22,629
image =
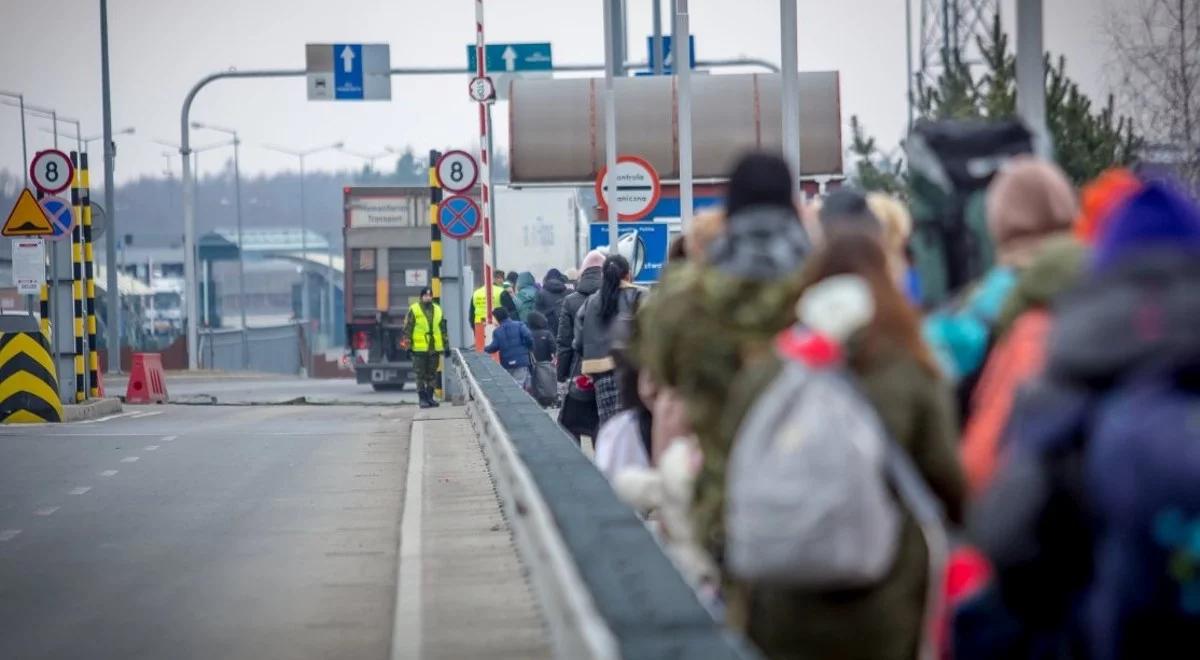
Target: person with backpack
x,y
1092,519
513,341
525,296
550,297
544,387
606,314
899,399
1029,201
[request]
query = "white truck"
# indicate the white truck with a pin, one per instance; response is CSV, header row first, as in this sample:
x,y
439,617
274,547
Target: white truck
x,y
539,228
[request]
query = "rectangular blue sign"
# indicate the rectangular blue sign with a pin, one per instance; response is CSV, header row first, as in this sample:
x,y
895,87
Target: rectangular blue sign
x,y
347,71
669,64
644,244
513,58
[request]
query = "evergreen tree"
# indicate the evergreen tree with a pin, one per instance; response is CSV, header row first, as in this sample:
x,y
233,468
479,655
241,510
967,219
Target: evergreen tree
x,y
873,170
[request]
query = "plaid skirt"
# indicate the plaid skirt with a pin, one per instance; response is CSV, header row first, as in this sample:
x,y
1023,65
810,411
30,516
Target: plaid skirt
x,y
608,396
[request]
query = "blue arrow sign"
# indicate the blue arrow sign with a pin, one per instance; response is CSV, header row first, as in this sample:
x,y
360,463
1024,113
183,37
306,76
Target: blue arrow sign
x,y
347,71
459,217
514,58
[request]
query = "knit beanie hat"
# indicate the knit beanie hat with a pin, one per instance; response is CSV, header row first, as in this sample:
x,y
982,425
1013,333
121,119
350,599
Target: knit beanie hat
x,y
1157,217
1100,197
1028,200
594,259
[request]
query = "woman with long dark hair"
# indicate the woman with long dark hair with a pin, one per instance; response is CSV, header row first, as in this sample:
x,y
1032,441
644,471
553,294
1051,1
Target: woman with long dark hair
x,y
899,375
607,318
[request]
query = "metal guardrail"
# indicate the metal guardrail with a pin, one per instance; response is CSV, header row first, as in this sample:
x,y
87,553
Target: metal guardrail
x,y
606,588
277,349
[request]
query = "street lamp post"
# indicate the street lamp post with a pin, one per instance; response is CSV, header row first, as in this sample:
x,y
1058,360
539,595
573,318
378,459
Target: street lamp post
x,y
24,147
305,312
237,195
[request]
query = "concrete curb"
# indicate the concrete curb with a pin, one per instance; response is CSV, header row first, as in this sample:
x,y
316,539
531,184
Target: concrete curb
x,y
91,410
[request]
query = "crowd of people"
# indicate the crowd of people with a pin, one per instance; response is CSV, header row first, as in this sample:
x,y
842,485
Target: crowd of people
x,y
843,472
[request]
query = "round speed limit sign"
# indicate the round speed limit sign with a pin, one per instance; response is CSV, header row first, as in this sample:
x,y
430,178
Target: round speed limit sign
x,y
51,171
456,170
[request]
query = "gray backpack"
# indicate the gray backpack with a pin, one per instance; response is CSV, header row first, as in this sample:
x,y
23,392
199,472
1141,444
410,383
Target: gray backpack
x,y
812,484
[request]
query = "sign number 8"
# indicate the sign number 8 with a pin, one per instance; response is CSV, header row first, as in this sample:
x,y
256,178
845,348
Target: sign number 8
x,y
51,171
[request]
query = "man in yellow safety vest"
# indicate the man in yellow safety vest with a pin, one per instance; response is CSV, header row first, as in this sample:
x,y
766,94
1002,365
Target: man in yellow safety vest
x,y
479,299
426,336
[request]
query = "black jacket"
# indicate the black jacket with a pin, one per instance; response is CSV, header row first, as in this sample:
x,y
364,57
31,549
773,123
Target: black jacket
x,y
550,301
594,335
589,283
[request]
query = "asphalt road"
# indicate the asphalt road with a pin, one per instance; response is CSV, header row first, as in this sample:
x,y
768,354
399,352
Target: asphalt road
x,y
265,388
203,532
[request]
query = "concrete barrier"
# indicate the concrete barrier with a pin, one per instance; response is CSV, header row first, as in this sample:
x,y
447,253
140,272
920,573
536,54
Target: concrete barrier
x,y
605,586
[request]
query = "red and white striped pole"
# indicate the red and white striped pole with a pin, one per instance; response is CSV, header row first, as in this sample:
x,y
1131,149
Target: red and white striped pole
x,y
485,162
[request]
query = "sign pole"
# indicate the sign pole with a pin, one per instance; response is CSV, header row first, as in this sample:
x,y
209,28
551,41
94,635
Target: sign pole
x,y
681,47
485,165
77,286
790,91
113,295
610,123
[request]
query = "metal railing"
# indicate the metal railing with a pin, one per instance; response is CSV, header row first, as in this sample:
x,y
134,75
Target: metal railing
x,y
278,349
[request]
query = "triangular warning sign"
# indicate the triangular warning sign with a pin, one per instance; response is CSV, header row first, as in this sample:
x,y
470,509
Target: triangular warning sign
x,y
27,218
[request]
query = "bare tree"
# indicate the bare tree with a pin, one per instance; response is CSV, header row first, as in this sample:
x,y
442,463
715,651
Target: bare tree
x,y
1156,58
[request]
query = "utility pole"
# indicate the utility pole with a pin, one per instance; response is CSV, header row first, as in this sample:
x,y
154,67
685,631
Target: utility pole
x,y
112,295
790,91
611,66
682,60
1031,75
657,46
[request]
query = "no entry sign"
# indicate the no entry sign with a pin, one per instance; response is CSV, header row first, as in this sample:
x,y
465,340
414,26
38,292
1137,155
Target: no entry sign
x,y
637,188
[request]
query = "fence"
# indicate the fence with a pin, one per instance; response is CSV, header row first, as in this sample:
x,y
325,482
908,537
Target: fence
x,y
279,349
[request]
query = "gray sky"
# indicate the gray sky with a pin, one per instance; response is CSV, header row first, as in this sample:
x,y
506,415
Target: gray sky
x,y
159,48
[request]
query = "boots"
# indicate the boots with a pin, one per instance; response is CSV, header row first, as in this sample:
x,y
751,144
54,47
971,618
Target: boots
x,y
425,398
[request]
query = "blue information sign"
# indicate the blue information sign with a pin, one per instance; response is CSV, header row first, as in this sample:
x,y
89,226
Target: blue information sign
x,y
459,217
347,71
513,58
669,60
644,244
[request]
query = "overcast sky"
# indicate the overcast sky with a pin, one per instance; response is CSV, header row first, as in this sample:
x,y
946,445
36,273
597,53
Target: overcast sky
x,y
160,48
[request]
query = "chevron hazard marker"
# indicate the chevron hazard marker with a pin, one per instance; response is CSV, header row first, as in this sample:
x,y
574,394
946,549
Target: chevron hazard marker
x,y
28,384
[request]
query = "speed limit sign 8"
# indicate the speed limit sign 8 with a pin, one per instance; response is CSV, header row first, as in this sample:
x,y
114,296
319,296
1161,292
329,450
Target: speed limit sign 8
x,y
51,171
456,170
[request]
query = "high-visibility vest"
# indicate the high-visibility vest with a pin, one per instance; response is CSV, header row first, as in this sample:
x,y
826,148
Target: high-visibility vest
x,y
422,330
479,301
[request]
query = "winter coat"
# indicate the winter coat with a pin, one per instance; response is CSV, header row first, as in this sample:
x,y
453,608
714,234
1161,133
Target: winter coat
x,y
588,283
883,621
961,333
513,341
1023,330
594,335
526,296
550,301
543,345
1036,521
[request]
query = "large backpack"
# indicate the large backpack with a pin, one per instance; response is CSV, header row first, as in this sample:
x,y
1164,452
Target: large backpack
x,y
1142,476
812,485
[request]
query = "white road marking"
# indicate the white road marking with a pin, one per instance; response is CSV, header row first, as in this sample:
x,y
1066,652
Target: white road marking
x,y
145,414
46,511
80,490
169,438
129,459
107,418
108,473
8,534
406,627
151,447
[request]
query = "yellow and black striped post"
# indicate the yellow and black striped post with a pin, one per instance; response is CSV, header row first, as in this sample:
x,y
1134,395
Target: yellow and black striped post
x,y
77,280
28,384
435,229
89,275
44,297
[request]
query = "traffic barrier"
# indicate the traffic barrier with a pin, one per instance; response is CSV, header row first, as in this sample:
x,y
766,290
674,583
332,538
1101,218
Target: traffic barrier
x,y
604,584
28,382
147,383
